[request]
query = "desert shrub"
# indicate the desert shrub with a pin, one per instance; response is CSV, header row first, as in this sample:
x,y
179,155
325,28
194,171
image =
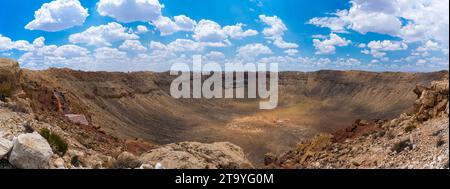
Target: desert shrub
x,y
6,89
440,142
45,133
379,134
58,144
402,145
75,161
28,128
126,161
410,128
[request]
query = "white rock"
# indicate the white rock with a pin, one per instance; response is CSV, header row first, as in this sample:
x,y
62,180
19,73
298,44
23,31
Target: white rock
x,y
159,166
5,147
31,151
146,166
59,163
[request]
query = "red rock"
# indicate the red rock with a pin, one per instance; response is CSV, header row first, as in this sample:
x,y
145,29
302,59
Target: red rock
x,y
78,119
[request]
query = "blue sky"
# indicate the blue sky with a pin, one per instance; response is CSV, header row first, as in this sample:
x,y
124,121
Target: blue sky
x,y
384,35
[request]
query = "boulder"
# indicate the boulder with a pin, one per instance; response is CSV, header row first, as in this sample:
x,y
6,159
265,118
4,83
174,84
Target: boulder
x,y
31,151
5,147
441,86
194,155
428,99
77,119
58,163
419,90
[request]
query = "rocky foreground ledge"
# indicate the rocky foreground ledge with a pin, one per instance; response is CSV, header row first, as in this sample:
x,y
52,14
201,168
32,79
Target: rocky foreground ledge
x,y
22,146
30,141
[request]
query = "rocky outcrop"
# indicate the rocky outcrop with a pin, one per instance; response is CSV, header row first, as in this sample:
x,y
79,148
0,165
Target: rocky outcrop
x,y
415,140
432,101
31,151
193,155
5,147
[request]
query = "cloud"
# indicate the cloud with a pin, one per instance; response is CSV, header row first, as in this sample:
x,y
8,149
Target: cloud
x,y
363,19
336,25
276,27
154,45
429,46
378,48
5,43
236,31
387,45
179,45
71,51
167,26
43,56
184,23
185,45
251,51
275,31
347,62
133,46
426,20
215,55
291,52
280,43
141,29
413,21
58,15
102,35
128,11
328,46
23,45
108,54
209,31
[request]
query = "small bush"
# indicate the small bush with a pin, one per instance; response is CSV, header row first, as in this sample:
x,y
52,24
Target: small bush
x,y
6,89
58,144
28,128
45,133
410,128
126,161
402,145
75,161
379,134
440,142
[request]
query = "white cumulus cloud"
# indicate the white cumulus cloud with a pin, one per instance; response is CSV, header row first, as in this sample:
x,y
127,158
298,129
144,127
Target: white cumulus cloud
x,y
378,48
102,35
328,46
167,26
251,51
275,31
132,45
58,15
128,11
411,20
141,29
236,31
